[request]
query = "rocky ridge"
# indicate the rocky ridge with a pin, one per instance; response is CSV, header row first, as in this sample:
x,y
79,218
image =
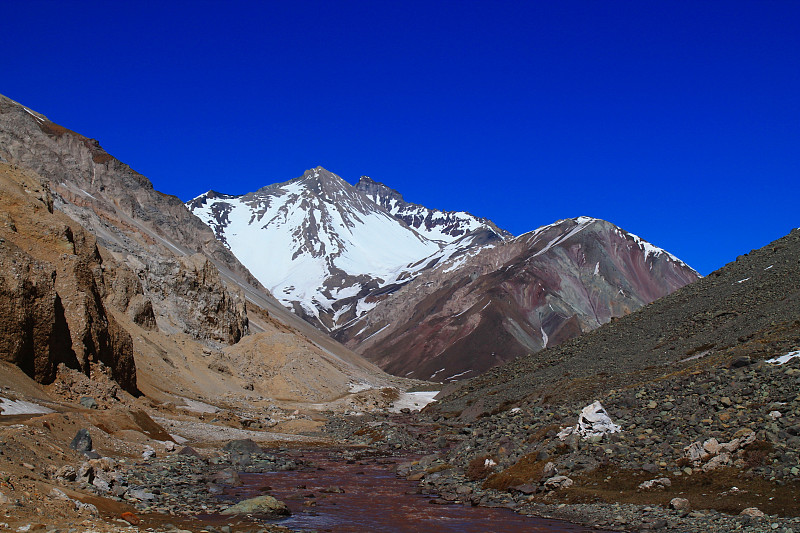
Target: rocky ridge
x,y
435,224
148,231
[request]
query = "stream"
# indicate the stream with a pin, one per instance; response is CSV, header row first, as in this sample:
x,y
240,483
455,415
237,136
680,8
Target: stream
x,y
366,496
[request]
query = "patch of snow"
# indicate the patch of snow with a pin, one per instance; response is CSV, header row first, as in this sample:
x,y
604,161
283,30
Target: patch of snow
x,y
21,407
597,268
87,194
649,249
545,338
434,374
383,328
359,387
783,359
696,356
742,280
413,400
35,115
458,375
197,406
769,267
179,439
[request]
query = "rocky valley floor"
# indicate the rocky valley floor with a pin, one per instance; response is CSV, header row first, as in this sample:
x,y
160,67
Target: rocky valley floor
x,y
705,450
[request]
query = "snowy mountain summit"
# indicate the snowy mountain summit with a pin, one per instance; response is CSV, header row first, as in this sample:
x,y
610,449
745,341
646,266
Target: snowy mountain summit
x,y
330,250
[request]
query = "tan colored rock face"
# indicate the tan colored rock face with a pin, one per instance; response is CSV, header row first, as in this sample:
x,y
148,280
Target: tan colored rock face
x,y
52,283
150,232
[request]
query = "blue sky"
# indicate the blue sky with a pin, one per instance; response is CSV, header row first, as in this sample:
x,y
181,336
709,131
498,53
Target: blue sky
x,y
677,120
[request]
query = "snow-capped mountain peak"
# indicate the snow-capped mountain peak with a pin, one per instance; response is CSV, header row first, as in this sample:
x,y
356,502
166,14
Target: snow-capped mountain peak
x,y
325,248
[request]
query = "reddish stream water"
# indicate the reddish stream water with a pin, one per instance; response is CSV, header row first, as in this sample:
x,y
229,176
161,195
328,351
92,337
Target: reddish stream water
x,y
375,500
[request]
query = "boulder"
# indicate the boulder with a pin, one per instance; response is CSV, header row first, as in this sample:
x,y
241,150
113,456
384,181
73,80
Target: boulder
x,y
679,504
593,422
660,483
261,505
242,446
228,476
82,441
88,402
558,482
717,461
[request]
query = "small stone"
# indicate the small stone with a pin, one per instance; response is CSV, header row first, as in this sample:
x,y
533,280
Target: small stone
x,y
242,446
679,504
711,446
148,452
67,473
549,470
753,512
188,450
659,483
227,476
58,494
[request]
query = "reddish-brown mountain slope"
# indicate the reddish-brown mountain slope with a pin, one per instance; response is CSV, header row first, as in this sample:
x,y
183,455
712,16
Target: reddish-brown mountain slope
x,y
515,298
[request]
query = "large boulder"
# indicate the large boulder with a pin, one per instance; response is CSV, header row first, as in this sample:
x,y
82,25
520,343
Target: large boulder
x,y
262,505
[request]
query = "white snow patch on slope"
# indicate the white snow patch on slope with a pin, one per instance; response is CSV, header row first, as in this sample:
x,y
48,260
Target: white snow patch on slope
x,y
413,400
21,407
458,375
783,359
383,328
359,387
197,406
